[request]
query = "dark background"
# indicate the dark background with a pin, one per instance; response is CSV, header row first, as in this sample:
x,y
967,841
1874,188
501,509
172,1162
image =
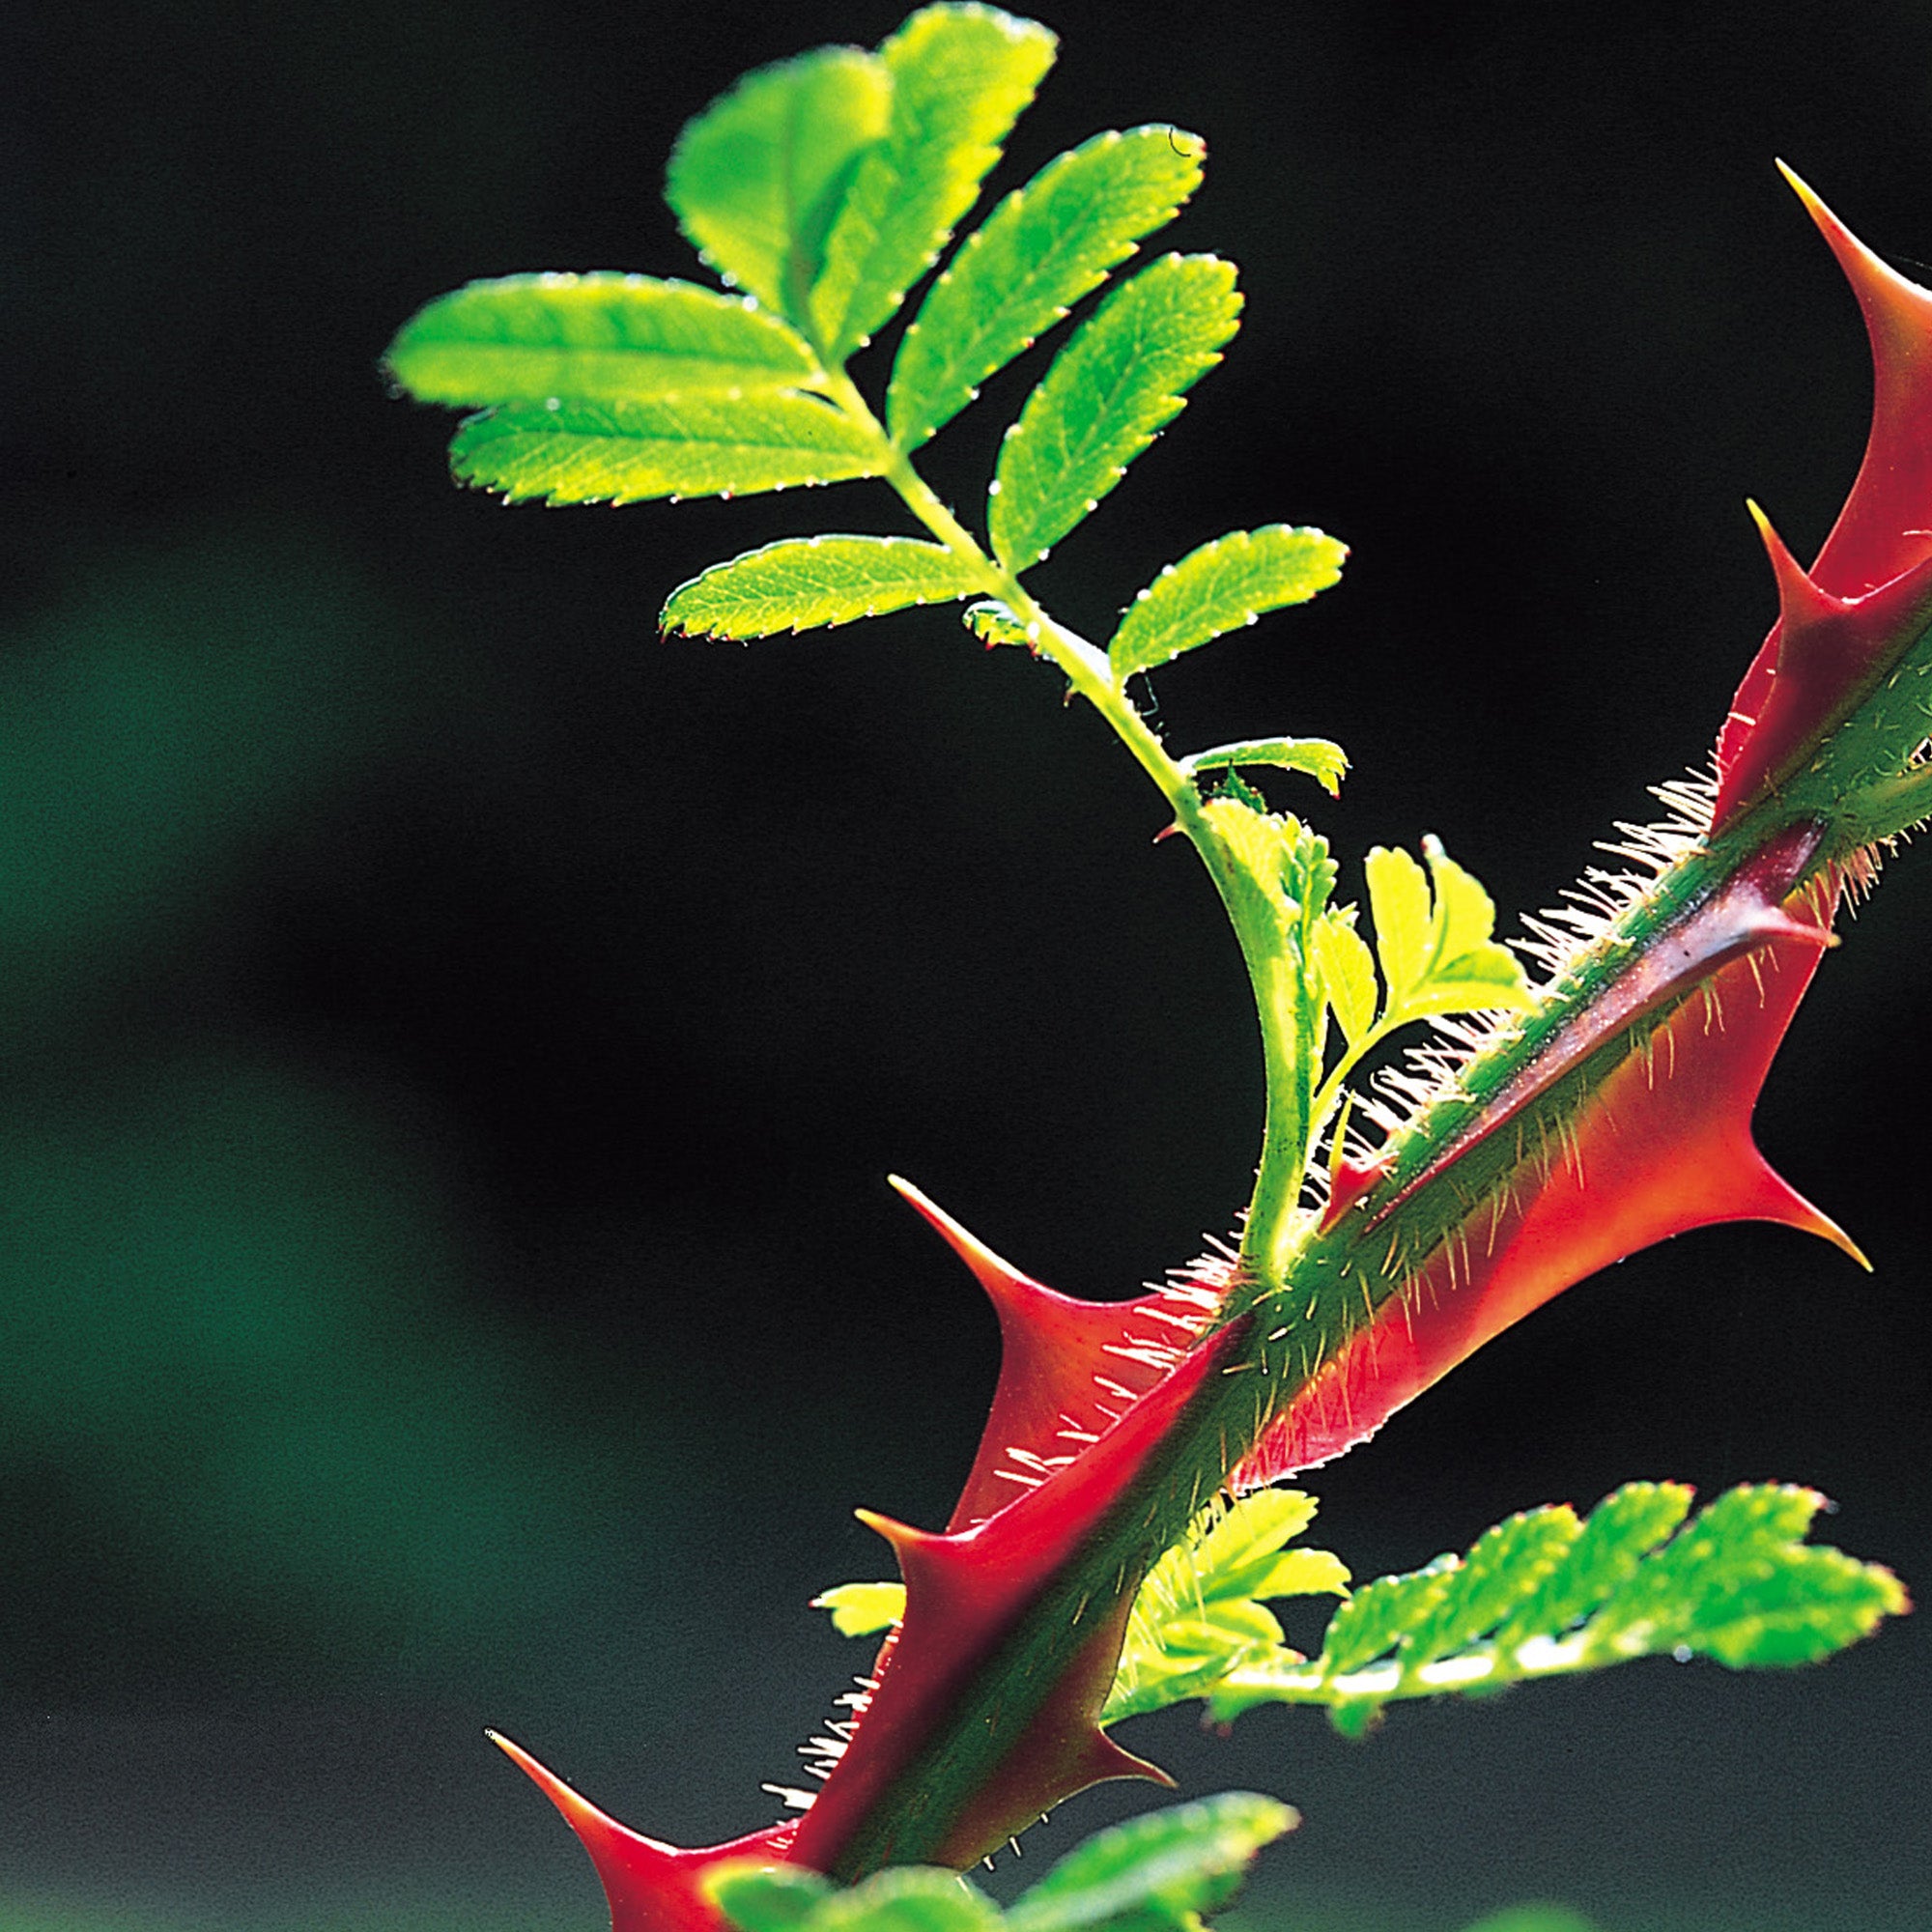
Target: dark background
x,y
452,1040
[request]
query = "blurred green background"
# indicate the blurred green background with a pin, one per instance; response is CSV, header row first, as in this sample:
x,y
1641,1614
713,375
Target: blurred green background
x,y
452,1040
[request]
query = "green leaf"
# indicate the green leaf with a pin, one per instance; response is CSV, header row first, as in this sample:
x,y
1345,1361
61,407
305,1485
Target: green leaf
x,y
807,581
1155,1873
908,1898
1239,1547
1305,1572
1047,244
1197,1614
1438,954
1222,587
1123,375
593,338
858,1609
765,1898
1738,1584
1321,758
1348,970
1374,1620
1617,1535
626,452
757,179
993,623
1506,1565
1540,1595
960,78
1400,905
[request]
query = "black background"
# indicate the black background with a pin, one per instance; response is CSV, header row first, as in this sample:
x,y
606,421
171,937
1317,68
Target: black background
x,y
591,982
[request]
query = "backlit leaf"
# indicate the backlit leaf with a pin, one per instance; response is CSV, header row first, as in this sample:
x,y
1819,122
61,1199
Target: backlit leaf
x,y
1305,1572
1540,1595
1321,758
1110,390
908,1898
807,581
1616,1535
1156,1872
858,1609
1398,903
1198,1613
1374,1620
1223,586
1436,951
1506,1565
1348,970
593,338
766,1898
1047,244
960,78
757,179
625,452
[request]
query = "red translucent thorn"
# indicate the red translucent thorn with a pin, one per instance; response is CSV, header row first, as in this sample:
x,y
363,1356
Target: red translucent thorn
x,y
1882,543
1052,1347
999,1278
1773,1198
1880,531
651,1886
909,1545
1799,600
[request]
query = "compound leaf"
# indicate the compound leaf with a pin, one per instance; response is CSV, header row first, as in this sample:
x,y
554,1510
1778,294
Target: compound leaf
x,y
757,179
1046,245
625,452
1123,375
960,77
595,339
1221,588
1156,1872
805,581
1375,1617
1540,1595
1616,1535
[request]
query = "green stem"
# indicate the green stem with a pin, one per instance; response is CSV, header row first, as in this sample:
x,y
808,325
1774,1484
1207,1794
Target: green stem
x,y
1274,1219
1886,809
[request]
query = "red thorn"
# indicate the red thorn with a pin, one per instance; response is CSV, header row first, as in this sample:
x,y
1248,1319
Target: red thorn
x,y
1846,619
1799,600
996,1276
651,1886
1166,832
1051,1348
1773,1198
909,1545
1869,545
1106,1760
1348,1180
